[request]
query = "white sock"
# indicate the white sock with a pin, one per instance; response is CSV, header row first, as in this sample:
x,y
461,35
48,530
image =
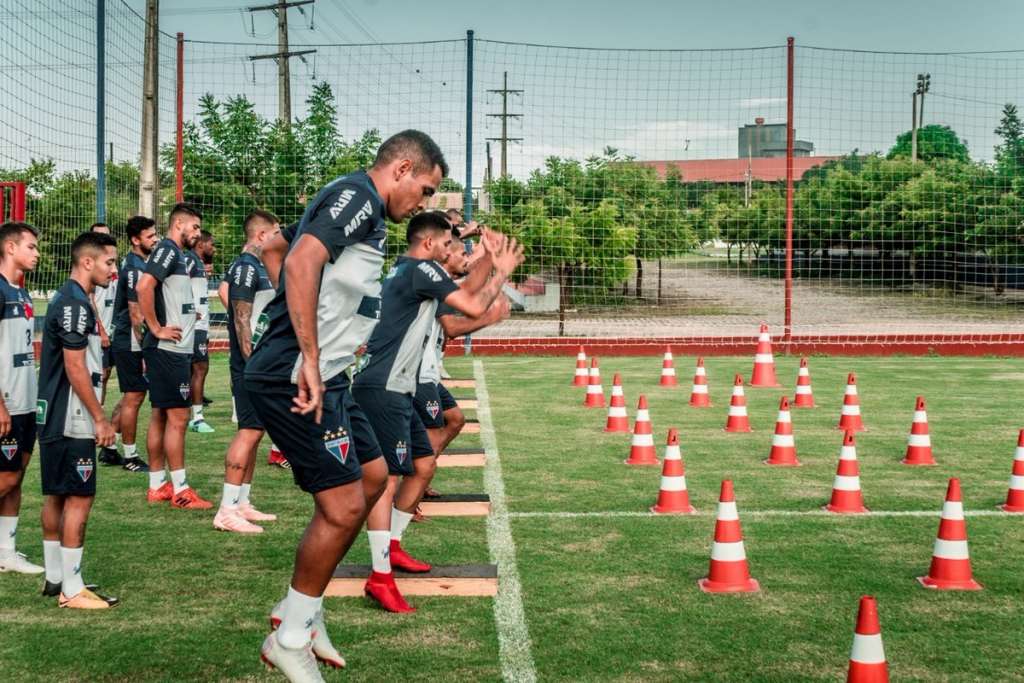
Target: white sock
x,y
178,481
8,529
157,479
197,412
297,622
51,560
229,500
380,550
129,451
118,435
71,566
243,493
399,521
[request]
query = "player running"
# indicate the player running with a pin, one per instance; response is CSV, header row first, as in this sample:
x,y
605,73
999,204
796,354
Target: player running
x,y
71,419
167,305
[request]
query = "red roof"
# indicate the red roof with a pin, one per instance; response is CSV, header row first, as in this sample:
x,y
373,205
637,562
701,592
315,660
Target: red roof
x,y
767,169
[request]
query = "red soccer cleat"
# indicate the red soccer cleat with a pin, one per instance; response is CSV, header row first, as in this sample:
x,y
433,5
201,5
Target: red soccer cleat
x,y
276,457
382,589
188,499
404,561
160,495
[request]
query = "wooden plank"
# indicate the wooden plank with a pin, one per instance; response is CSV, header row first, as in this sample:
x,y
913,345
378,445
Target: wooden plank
x,y
464,451
460,383
468,460
457,505
467,580
471,427
467,403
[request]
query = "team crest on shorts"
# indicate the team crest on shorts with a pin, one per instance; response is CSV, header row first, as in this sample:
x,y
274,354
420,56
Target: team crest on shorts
x,y
401,451
337,444
433,409
202,349
185,390
84,468
9,448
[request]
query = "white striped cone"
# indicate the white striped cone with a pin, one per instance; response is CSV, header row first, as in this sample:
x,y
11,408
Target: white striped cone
x,y
783,451
668,370
595,392
919,443
673,498
846,494
728,571
617,420
641,450
951,562
867,657
850,418
581,376
1015,496
804,397
764,363
737,420
699,397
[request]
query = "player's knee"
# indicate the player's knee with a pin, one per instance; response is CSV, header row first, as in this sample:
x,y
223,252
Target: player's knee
x,y
425,467
9,482
456,419
344,512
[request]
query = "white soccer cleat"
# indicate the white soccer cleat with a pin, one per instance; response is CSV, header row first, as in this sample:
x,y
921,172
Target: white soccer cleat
x,y
249,513
323,648
298,665
231,520
13,561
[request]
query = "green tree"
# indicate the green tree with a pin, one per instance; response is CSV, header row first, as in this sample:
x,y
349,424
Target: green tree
x,y
933,142
1010,153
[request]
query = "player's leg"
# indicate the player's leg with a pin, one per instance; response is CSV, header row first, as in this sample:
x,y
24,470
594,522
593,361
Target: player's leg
x,y
160,488
15,453
238,461
131,380
200,369
109,455
50,518
454,418
250,433
409,494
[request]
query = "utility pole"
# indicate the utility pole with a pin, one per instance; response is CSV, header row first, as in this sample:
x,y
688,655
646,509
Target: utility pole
x,y
504,91
149,180
282,56
924,82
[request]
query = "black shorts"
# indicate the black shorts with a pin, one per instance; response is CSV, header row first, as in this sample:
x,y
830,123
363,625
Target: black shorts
x,y
322,456
247,416
170,378
201,348
400,431
68,467
427,402
20,440
130,376
367,448
108,358
447,400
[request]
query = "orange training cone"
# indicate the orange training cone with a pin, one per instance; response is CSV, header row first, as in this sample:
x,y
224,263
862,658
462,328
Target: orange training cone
x,y
804,397
580,378
1015,496
595,393
617,419
673,498
737,420
728,572
668,370
849,420
783,451
764,362
641,451
699,397
919,443
951,563
867,658
846,494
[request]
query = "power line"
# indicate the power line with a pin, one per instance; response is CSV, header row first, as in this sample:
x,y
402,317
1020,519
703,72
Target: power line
x,y
283,56
504,91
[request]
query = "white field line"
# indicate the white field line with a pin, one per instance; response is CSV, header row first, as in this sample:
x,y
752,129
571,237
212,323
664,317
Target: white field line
x,y
755,513
513,635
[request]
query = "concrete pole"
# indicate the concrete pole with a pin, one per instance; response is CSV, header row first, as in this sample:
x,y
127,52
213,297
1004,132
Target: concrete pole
x,y
149,179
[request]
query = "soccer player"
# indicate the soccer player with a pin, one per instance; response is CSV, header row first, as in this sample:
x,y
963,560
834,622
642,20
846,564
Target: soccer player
x,y
19,254
386,381
325,306
248,293
165,299
103,299
126,345
202,257
71,418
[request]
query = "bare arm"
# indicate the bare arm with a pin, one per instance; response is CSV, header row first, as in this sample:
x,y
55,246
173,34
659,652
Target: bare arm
x,y
222,293
243,326
302,269
457,326
273,256
478,272
81,384
135,315
147,303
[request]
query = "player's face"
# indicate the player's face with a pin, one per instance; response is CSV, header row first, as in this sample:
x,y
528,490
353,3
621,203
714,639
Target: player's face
x,y
440,247
104,267
26,251
191,227
456,265
412,190
207,250
147,241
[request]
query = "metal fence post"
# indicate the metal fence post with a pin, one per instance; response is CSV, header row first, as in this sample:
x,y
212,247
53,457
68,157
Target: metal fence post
x,y
101,112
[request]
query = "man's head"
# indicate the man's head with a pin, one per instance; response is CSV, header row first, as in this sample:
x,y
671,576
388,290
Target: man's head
x,y
100,227
407,171
457,264
94,256
454,217
184,225
429,236
142,235
205,248
260,226
19,244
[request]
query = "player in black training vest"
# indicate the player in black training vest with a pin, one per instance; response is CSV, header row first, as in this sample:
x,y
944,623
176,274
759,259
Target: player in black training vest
x,y
387,378
70,417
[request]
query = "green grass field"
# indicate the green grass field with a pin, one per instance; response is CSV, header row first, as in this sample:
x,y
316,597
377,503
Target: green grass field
x,y
605,597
